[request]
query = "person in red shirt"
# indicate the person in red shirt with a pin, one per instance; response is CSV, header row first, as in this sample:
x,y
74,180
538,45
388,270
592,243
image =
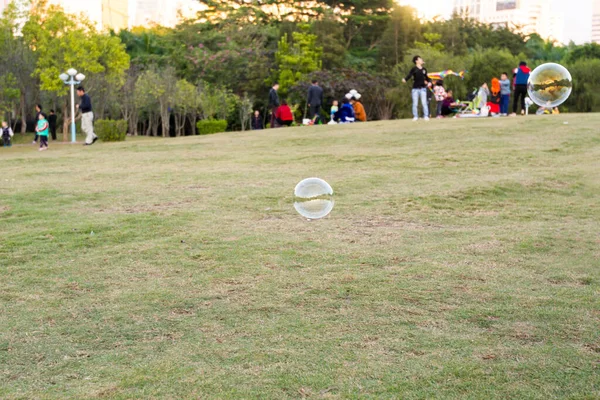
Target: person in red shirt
x,y
284,115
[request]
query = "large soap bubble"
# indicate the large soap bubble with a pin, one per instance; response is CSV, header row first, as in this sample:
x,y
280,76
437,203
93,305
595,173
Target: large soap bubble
x,y
313,198
550,85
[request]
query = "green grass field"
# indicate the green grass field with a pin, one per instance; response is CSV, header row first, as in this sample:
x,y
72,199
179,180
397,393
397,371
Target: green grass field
x,y
461,261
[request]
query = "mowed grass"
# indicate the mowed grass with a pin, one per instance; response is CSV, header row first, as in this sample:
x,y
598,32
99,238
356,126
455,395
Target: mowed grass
x,y
461,261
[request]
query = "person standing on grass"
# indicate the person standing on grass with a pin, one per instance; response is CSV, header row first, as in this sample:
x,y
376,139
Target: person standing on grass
x,y
38,111
504,94
52,122
42,132
87,116
439,93
274,104
521,79
7,134
420,84
315,101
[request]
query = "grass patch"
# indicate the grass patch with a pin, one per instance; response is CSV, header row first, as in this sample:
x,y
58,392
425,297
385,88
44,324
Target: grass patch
x,y
461,260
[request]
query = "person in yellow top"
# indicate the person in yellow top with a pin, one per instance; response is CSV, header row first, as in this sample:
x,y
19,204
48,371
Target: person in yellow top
x,y
359,109
555,111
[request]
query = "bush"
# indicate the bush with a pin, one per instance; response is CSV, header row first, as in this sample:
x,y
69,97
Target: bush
x,y
209,126
111,131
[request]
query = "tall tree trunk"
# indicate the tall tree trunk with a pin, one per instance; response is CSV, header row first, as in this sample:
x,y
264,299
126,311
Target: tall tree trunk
x,y
66,121
23,104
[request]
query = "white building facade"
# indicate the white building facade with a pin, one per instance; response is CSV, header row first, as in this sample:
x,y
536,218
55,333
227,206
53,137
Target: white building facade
x,y
121,14
528,16
596,22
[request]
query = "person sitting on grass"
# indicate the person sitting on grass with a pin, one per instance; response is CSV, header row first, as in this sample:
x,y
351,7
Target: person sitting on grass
x,y
284,115
346,112
448,103
359,110
7,134
257,122
42,131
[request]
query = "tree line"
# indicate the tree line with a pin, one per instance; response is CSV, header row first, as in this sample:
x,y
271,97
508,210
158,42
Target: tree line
x,y
220,64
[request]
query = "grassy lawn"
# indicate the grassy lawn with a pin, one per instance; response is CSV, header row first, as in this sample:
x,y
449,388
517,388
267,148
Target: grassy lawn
x,y
461,261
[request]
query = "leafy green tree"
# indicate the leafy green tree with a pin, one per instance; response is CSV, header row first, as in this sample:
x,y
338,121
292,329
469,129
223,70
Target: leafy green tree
x,y
17,61
215,102
9,95
298,58
588,51
403,29
184,105
330,36
62,41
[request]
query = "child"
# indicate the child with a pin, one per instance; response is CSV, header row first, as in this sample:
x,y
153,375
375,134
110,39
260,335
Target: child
x,y
504,94
7,134
440,94
42,131
257,123
495,98
334,109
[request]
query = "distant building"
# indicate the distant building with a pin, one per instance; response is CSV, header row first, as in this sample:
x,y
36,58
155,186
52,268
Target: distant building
x,y
124,14
527,16
596,22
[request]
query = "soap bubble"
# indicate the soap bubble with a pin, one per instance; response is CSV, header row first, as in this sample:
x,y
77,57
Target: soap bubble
x,y
550,85
313,198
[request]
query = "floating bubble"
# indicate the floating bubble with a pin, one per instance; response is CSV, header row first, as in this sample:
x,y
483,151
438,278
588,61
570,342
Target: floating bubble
x,y
313,198
550,85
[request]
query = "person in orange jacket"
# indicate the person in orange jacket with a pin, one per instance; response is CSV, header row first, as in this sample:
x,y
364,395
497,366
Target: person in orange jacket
x,y
359,109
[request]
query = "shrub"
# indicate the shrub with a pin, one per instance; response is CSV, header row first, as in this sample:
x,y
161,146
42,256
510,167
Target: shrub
x,y
209,126
111,131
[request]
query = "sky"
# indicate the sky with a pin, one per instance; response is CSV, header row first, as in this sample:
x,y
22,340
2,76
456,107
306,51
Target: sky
x,y
577,14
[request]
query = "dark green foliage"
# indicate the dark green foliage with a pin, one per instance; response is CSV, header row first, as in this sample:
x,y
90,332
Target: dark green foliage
x,y
210,126
111,131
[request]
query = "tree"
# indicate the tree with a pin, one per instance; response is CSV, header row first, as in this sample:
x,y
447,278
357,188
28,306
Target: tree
x,y
588,51
215,102
298,58
9,95
185,104
127,101
17,60
60,39
155,93
245,108
403,29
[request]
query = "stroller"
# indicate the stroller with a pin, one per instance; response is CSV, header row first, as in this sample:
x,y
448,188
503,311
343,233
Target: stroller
x,y
468,107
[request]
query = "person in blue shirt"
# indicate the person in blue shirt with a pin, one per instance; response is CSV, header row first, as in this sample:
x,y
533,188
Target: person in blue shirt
x,y
521,79
346,112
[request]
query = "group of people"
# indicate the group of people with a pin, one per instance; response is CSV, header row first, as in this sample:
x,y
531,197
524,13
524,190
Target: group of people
x,y
46,124
351,109
490,100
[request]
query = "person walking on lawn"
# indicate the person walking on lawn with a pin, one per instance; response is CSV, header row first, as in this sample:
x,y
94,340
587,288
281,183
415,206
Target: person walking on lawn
x,y
87,116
